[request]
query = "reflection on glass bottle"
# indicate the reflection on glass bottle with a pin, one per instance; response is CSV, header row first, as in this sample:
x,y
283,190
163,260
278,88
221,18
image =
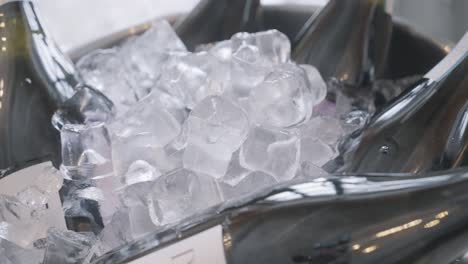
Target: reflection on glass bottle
x,y
348,40
426,128
216,20
35,80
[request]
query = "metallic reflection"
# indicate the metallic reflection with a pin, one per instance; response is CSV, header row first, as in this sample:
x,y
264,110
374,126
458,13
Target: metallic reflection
x,y
432,223
370,249
400,228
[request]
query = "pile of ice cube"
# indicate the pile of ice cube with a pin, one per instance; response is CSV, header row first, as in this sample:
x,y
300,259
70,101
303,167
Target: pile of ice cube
x,y
190,131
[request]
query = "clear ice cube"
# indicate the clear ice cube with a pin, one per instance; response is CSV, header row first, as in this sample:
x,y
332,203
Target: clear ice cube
x,y
104,70
194,76
180,194
142,132
143,56
141,171
86,151
283,99
252,182
253,55
216,128
13,254
327,129
20,218
317,85
275,152
65,246
316,151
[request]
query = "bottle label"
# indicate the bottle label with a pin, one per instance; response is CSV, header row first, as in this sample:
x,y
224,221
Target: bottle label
x,y
203,248
25,178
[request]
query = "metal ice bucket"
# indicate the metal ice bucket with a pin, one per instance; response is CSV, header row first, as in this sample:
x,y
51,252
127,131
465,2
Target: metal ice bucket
x,y
411,52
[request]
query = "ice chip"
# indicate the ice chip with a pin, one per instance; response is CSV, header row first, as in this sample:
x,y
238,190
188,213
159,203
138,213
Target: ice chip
x,y
116,233
272,45
143,131
143,56
275,152
283,99
216,128
33,198
315,151
180,194
50,180
86,151
194,76
105,71
141,171
67,247
13,254
250,184
317,85
326,128
235,172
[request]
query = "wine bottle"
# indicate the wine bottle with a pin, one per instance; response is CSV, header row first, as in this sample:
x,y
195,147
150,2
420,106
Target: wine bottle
x,y
349,220
35,80
423,130
347,40
216,20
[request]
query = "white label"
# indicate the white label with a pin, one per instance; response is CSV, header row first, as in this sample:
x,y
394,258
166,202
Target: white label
x,y
22,179
203,248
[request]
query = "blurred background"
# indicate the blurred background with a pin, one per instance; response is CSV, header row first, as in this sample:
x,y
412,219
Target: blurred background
x,y
76,22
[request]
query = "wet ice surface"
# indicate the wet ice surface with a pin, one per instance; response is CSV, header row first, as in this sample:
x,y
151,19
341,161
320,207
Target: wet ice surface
x,y
188,131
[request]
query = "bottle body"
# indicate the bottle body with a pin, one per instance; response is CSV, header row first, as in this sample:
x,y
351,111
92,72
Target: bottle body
x,y
414,133
216,20
35,80
347,40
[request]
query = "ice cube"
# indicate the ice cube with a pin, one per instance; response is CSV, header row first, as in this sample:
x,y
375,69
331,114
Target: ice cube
x,y
253,55
116,233
104,70
86,106
273,45
216,128
33,198
327,129
143,56
141,171
86,152
250,184
143,131
20,218
235,172
140,221
316,151
194,76
180,194
274,152
355,120
50,180
317,85
13,254
311,171
65,246
283,99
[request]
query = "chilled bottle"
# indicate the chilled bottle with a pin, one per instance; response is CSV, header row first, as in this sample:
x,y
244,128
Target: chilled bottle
x,y
35,80
339,220
216,20
425,129
348,40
